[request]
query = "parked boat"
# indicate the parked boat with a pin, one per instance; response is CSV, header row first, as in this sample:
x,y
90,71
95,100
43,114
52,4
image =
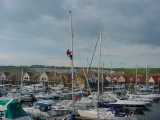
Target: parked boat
x,y
48,109
10,109
117,102
152,96
104,114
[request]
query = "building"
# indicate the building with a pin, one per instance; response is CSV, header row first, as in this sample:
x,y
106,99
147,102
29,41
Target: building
x,y
26,77
151,80
3,78
121,79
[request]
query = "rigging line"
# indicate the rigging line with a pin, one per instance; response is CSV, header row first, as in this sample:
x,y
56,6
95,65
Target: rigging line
x,y
86,77
93,55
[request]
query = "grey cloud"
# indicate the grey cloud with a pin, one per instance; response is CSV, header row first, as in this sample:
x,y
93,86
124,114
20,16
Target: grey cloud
x,y
125,21
42,27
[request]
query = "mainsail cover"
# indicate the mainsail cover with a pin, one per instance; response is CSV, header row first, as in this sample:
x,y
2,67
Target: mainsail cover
x,y
14,110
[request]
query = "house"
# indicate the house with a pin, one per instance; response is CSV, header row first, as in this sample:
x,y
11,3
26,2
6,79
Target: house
x,y
34,77
151,80
108,78
26,77
141,79
55,78
121,79
30,78
131,79
44,78
156,78
4,78
115,79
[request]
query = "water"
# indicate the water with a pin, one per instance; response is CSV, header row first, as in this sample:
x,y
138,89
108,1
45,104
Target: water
x,y
152,114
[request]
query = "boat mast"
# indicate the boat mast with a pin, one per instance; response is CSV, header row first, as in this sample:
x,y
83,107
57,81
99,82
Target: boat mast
x,y
99,65
21,83
110,73
136,79
146,74
72,60
111,68
86,77
136,74
102,78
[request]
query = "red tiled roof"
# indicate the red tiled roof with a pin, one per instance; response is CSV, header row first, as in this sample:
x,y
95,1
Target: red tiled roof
x,y
156,78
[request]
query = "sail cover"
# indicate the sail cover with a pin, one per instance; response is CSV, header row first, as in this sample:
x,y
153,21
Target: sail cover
x,y
14,110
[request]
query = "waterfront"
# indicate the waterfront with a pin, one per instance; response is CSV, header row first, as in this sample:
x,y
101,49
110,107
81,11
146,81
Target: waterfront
x,y
152,114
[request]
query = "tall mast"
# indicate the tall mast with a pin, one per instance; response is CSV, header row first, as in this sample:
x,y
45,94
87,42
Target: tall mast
x,y
136,74
146,74
72,60
21,83
111,68
99,65
102,78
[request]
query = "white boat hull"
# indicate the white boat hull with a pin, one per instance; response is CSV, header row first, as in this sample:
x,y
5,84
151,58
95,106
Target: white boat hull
x,y
103,115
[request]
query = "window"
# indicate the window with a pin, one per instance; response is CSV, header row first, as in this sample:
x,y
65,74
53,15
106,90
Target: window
x,y
1,115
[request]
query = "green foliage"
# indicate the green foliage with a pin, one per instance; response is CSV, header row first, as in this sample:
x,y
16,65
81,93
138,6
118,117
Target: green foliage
x,y
140,71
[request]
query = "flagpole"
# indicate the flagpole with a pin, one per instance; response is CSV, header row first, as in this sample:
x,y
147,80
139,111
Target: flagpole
x,y
72,60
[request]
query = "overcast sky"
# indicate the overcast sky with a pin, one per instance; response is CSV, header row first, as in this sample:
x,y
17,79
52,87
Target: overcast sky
x,y
38,32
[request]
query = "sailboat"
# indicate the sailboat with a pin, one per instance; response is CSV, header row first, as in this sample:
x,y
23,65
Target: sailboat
x,y
145,92
92,111
10,109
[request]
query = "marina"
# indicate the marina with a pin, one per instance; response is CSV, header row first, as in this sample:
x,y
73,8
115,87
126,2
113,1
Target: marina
x,y
59,104
79,60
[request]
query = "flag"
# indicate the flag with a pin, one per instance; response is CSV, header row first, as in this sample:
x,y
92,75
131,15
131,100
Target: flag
x,y
69,54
